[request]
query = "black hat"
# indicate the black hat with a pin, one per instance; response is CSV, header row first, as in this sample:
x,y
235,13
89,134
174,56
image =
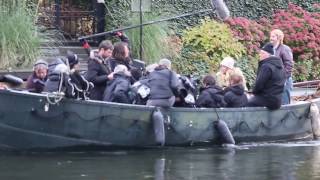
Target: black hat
x,y
72,58
268,48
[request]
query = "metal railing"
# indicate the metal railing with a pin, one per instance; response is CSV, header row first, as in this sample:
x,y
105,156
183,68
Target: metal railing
x,y
71,20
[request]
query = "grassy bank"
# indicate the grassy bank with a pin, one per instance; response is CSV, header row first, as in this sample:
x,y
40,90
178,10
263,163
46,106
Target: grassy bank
x,y
19,40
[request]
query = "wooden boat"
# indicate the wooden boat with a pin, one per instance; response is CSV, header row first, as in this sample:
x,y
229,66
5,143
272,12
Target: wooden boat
x,y
33,121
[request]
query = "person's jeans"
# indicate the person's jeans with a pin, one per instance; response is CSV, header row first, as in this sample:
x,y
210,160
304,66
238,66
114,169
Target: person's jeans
x,y
287,91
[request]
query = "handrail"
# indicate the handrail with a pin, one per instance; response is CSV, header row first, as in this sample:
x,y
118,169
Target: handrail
x,y
313,83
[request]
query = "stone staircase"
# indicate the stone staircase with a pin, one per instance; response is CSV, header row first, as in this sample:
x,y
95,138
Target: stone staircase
x,y
79,51
48,54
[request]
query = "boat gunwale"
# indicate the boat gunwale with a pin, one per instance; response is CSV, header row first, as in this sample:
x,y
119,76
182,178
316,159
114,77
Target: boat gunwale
x,y
152,108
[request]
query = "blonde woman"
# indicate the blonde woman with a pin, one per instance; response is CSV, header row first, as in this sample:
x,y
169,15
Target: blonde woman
x,y
226,69
285,54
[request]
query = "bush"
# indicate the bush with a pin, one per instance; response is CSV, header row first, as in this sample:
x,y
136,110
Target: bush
x,y
301,28
250,33
208,43
249,68
154,39
19,41
302,31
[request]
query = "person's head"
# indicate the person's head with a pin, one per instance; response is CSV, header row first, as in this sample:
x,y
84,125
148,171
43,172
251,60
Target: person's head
x,y
40,69
235,79
121,69
150,68
276,37
61,68
105,49
208,80
73,60
226,64
165,63
266,51
120,51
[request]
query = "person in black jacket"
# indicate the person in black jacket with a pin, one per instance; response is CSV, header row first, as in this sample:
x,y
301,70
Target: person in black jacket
x,y
120,55
80,84
211,96
99,71
58,81
270,80
234,95
37,80
163,85
118,89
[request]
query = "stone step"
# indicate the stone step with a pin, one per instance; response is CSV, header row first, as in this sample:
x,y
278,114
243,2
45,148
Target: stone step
x,y
75,49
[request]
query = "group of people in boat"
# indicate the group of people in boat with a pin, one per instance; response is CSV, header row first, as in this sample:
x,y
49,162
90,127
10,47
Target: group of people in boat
x,y
112,77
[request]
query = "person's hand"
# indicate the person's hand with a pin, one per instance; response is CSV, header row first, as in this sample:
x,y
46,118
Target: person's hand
x,y
3,86
110,76
118,34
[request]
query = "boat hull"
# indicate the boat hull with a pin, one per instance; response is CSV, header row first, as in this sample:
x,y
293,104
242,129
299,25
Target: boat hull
x,y
27,122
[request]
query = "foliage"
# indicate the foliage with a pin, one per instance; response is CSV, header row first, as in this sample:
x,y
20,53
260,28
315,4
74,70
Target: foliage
x,y
154,39
249,68
209,42
119,10
301,70
19,41
250,33
302,30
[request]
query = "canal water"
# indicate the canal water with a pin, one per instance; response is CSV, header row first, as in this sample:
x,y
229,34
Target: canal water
x,y
292,161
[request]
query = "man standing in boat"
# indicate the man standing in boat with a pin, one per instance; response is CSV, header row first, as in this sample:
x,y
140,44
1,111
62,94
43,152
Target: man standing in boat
x,y
270,80
99,71
285,54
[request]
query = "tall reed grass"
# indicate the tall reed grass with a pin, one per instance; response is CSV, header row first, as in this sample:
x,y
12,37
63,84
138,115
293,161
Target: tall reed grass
x,y
155,39
19,39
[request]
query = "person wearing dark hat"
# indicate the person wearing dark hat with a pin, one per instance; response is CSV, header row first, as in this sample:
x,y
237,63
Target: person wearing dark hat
x,y
80,84
73,61
270,80
36,81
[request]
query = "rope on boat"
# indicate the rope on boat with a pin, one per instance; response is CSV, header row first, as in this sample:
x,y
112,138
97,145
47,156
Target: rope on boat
x,y
54,97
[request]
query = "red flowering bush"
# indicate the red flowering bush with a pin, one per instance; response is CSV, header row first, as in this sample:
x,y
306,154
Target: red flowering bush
x,y
302,31
249,33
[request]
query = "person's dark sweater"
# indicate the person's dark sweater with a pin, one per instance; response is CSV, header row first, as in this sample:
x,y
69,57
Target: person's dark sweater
x,y
270,82
118,89
163,83
211,97
98,71
235,96
114,62
35,84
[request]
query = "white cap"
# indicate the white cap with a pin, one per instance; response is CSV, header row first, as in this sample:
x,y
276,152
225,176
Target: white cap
x,y
165,62
150,68
122,69
61,68
227,62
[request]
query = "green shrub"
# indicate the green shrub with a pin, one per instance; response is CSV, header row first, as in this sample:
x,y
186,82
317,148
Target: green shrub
x,y
154,39
249,68
208,43
302,70
19,41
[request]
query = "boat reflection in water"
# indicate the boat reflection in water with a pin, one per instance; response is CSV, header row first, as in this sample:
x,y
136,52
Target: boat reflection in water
x,y
253,161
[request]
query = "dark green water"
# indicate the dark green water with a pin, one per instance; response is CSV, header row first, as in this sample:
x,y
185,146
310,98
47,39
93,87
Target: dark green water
x,y
257,162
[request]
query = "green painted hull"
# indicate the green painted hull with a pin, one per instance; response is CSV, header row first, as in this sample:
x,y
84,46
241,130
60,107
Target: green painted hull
x,y
24,124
